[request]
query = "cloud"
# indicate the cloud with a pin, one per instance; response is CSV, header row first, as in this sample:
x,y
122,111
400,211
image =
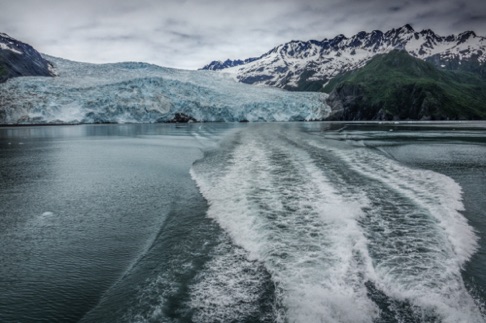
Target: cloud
x,y
191,33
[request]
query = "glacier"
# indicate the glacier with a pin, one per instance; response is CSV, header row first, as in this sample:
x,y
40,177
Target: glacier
x,y
134,92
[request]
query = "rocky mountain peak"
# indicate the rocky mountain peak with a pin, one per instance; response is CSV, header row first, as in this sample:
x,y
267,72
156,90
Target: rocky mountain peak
x,y
408,28
465,36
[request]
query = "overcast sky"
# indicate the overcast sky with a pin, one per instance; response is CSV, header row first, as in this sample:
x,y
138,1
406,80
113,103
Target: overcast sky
x,y
191,33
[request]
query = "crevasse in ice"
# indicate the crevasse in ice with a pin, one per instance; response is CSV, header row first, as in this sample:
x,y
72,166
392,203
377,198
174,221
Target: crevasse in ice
x,y
139,92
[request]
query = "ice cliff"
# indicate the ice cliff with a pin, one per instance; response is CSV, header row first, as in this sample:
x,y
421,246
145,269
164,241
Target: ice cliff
x,y
144,93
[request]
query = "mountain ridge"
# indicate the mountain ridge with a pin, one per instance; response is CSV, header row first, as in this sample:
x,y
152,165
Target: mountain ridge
x,y
308,65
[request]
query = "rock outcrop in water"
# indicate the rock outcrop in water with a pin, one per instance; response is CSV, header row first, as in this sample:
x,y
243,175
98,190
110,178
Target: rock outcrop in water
x,y
182,118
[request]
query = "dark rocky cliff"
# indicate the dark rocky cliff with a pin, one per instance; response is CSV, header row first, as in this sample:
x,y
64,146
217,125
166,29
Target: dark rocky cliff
x,y
20,59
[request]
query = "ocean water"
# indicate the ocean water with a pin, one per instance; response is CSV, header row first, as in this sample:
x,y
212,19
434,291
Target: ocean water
x,y
282,222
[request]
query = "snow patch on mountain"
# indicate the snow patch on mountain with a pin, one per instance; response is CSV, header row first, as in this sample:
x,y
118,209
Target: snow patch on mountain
x,y
8,43
10,48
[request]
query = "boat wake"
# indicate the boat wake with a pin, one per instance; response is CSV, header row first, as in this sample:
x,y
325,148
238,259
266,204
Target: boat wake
x,y
344,233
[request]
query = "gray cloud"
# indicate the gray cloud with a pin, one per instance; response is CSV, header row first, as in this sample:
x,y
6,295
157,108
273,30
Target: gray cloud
x,y
191,33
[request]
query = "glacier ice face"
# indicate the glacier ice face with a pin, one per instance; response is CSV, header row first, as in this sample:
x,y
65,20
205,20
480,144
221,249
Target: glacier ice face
x,y
143,93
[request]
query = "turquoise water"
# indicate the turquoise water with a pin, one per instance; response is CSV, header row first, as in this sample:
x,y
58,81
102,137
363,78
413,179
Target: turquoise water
x,y
299,222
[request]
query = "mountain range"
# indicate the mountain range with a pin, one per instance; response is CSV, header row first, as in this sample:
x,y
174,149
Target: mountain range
x,y
308,65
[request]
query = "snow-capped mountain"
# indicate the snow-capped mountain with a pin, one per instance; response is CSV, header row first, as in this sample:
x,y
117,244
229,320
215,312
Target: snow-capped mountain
x,y
310,64
143,93
20,59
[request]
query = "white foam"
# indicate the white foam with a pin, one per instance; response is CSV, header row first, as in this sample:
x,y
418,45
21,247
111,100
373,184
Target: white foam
x,y
229,287
154,297
429,279
321,237
275,203
438,193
